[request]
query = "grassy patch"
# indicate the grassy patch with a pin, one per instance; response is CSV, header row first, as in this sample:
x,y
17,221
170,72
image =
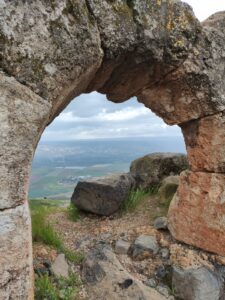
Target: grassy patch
x,y
44,288
135,198
42,230
51,288
73,256
73,212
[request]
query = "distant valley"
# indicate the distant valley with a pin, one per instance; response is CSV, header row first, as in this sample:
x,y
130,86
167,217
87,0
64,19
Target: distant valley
x,y
58,166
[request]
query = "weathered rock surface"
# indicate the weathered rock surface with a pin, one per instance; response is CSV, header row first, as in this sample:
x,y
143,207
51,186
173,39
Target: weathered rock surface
x,y
197,284
167,189
151,169
15,259
56,50
205,143
196,213
144,246
102,195
107,279
60,266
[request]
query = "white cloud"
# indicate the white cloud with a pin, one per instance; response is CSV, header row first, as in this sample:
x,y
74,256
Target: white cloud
x,y
93,116
124,114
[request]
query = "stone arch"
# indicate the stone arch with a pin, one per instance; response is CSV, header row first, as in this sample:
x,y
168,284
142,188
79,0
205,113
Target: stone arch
x,y
52,51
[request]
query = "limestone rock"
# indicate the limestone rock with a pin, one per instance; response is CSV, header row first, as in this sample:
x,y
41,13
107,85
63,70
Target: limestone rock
x,y
60,266
167,189
197,284
151,169
155,50
106,278
102,195
122,247
160,223
196,213
144,246
205,143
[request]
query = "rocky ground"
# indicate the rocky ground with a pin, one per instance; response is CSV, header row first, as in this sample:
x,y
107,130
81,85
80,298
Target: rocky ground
x,y
148,255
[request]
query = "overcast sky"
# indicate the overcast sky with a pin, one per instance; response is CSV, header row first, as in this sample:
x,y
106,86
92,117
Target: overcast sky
x,y
92,116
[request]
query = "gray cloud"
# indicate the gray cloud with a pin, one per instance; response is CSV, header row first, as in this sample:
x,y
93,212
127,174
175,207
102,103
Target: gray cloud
x,y
93,116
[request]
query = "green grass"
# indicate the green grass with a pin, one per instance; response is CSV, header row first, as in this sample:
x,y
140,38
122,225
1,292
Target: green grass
x,y
45,289
73,212
73,256
42,230
50,288
135,197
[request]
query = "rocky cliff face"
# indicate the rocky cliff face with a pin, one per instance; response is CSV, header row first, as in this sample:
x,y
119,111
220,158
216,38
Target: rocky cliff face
x,y
51,51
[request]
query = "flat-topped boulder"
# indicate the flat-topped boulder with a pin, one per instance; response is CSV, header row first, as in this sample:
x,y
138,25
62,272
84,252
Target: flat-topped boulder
x,y
102,195
151,169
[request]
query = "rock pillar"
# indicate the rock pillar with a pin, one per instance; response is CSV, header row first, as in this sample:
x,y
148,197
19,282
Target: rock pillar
x,y
22,115
197,212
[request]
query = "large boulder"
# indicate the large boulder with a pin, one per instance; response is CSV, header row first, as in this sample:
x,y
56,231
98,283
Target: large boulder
x,y
102,195
106,278
151,169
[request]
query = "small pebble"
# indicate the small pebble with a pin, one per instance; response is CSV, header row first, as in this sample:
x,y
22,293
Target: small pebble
x,y
151,282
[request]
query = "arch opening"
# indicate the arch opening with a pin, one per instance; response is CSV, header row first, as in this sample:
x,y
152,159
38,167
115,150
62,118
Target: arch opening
x,y
95,137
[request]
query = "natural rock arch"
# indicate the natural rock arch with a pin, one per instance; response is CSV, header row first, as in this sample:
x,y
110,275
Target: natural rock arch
x,y
51,51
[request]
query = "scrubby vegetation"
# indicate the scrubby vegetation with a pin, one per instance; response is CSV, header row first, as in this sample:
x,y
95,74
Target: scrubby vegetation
x,y
42,230
73,256
51,288
73,212
135,197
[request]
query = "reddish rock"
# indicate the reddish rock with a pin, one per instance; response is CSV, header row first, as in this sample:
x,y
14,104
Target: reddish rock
x,y
197,212
205,141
